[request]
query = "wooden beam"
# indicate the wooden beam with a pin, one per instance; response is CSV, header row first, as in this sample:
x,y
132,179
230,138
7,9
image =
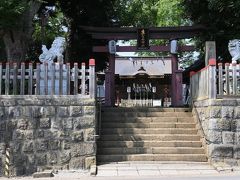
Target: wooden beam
x,y
133,35
134,48
127,33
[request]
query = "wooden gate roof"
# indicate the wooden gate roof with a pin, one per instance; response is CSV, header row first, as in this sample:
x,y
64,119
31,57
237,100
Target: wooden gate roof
x,y
127,33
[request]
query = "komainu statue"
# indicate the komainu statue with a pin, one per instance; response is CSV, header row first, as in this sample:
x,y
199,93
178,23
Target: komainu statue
x,y
55,52
234,49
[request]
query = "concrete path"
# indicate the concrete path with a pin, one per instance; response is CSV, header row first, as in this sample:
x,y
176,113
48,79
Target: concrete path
x,y
80,176
155,169
146,171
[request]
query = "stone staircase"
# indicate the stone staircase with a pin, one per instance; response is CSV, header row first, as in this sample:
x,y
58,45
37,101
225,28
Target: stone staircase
x,y
149,134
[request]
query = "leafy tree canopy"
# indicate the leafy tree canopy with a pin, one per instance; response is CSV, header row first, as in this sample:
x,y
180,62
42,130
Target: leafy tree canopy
x,y
221,18
136,13
149,13
170,13
10,12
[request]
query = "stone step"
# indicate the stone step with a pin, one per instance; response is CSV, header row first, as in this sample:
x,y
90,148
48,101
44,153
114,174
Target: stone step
x,y
152,150
148,119
145,109
139,137
110,114
152,157
135,131
148,125
130,144
149,134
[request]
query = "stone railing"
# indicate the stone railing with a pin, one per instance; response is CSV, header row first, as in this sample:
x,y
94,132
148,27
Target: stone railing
x,y
228,76
41,132
47,79
203,82
216,81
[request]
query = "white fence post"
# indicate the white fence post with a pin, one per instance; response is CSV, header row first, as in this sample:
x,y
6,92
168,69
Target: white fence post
x,y
227,78
22,85
92,80
38,79
234,76
7,79
212,91
68,78
53,74
220,78
14,78
60,78
83,79
45,77
30,78
75,78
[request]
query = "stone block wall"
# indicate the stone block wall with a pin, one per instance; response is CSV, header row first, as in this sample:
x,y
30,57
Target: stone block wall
x,y
220,122
47,132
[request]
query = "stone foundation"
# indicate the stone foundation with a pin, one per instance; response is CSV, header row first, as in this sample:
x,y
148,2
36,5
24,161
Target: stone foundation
x,y
47,132
220,123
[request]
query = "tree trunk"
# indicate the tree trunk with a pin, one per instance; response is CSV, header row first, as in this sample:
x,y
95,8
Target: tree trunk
x,y
16,39
15,45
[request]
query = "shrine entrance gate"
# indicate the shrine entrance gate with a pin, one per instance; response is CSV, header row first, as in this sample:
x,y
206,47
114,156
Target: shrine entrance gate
x,y
143,35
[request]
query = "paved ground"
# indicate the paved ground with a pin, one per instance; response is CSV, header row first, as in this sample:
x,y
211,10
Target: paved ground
x,y
147,171
154,169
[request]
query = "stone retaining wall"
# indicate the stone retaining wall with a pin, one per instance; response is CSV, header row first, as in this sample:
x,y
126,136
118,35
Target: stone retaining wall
x,y
220,122
47,132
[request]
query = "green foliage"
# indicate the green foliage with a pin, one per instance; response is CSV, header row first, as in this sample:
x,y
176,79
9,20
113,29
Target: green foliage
x,y
10,12
147,13
220,17
72,14
136,12
170,13
54,27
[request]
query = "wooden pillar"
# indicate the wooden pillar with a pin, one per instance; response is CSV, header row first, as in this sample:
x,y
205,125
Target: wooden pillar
x,y
173,83
110,82
179,95
176,84
107,88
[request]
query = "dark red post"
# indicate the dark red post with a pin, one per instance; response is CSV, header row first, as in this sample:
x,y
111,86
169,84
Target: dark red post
x,y
173,83
110,82
179,95
107,88
176,84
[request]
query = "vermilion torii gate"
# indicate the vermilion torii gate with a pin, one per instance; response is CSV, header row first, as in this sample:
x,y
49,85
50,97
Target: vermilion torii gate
x,y
131,33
